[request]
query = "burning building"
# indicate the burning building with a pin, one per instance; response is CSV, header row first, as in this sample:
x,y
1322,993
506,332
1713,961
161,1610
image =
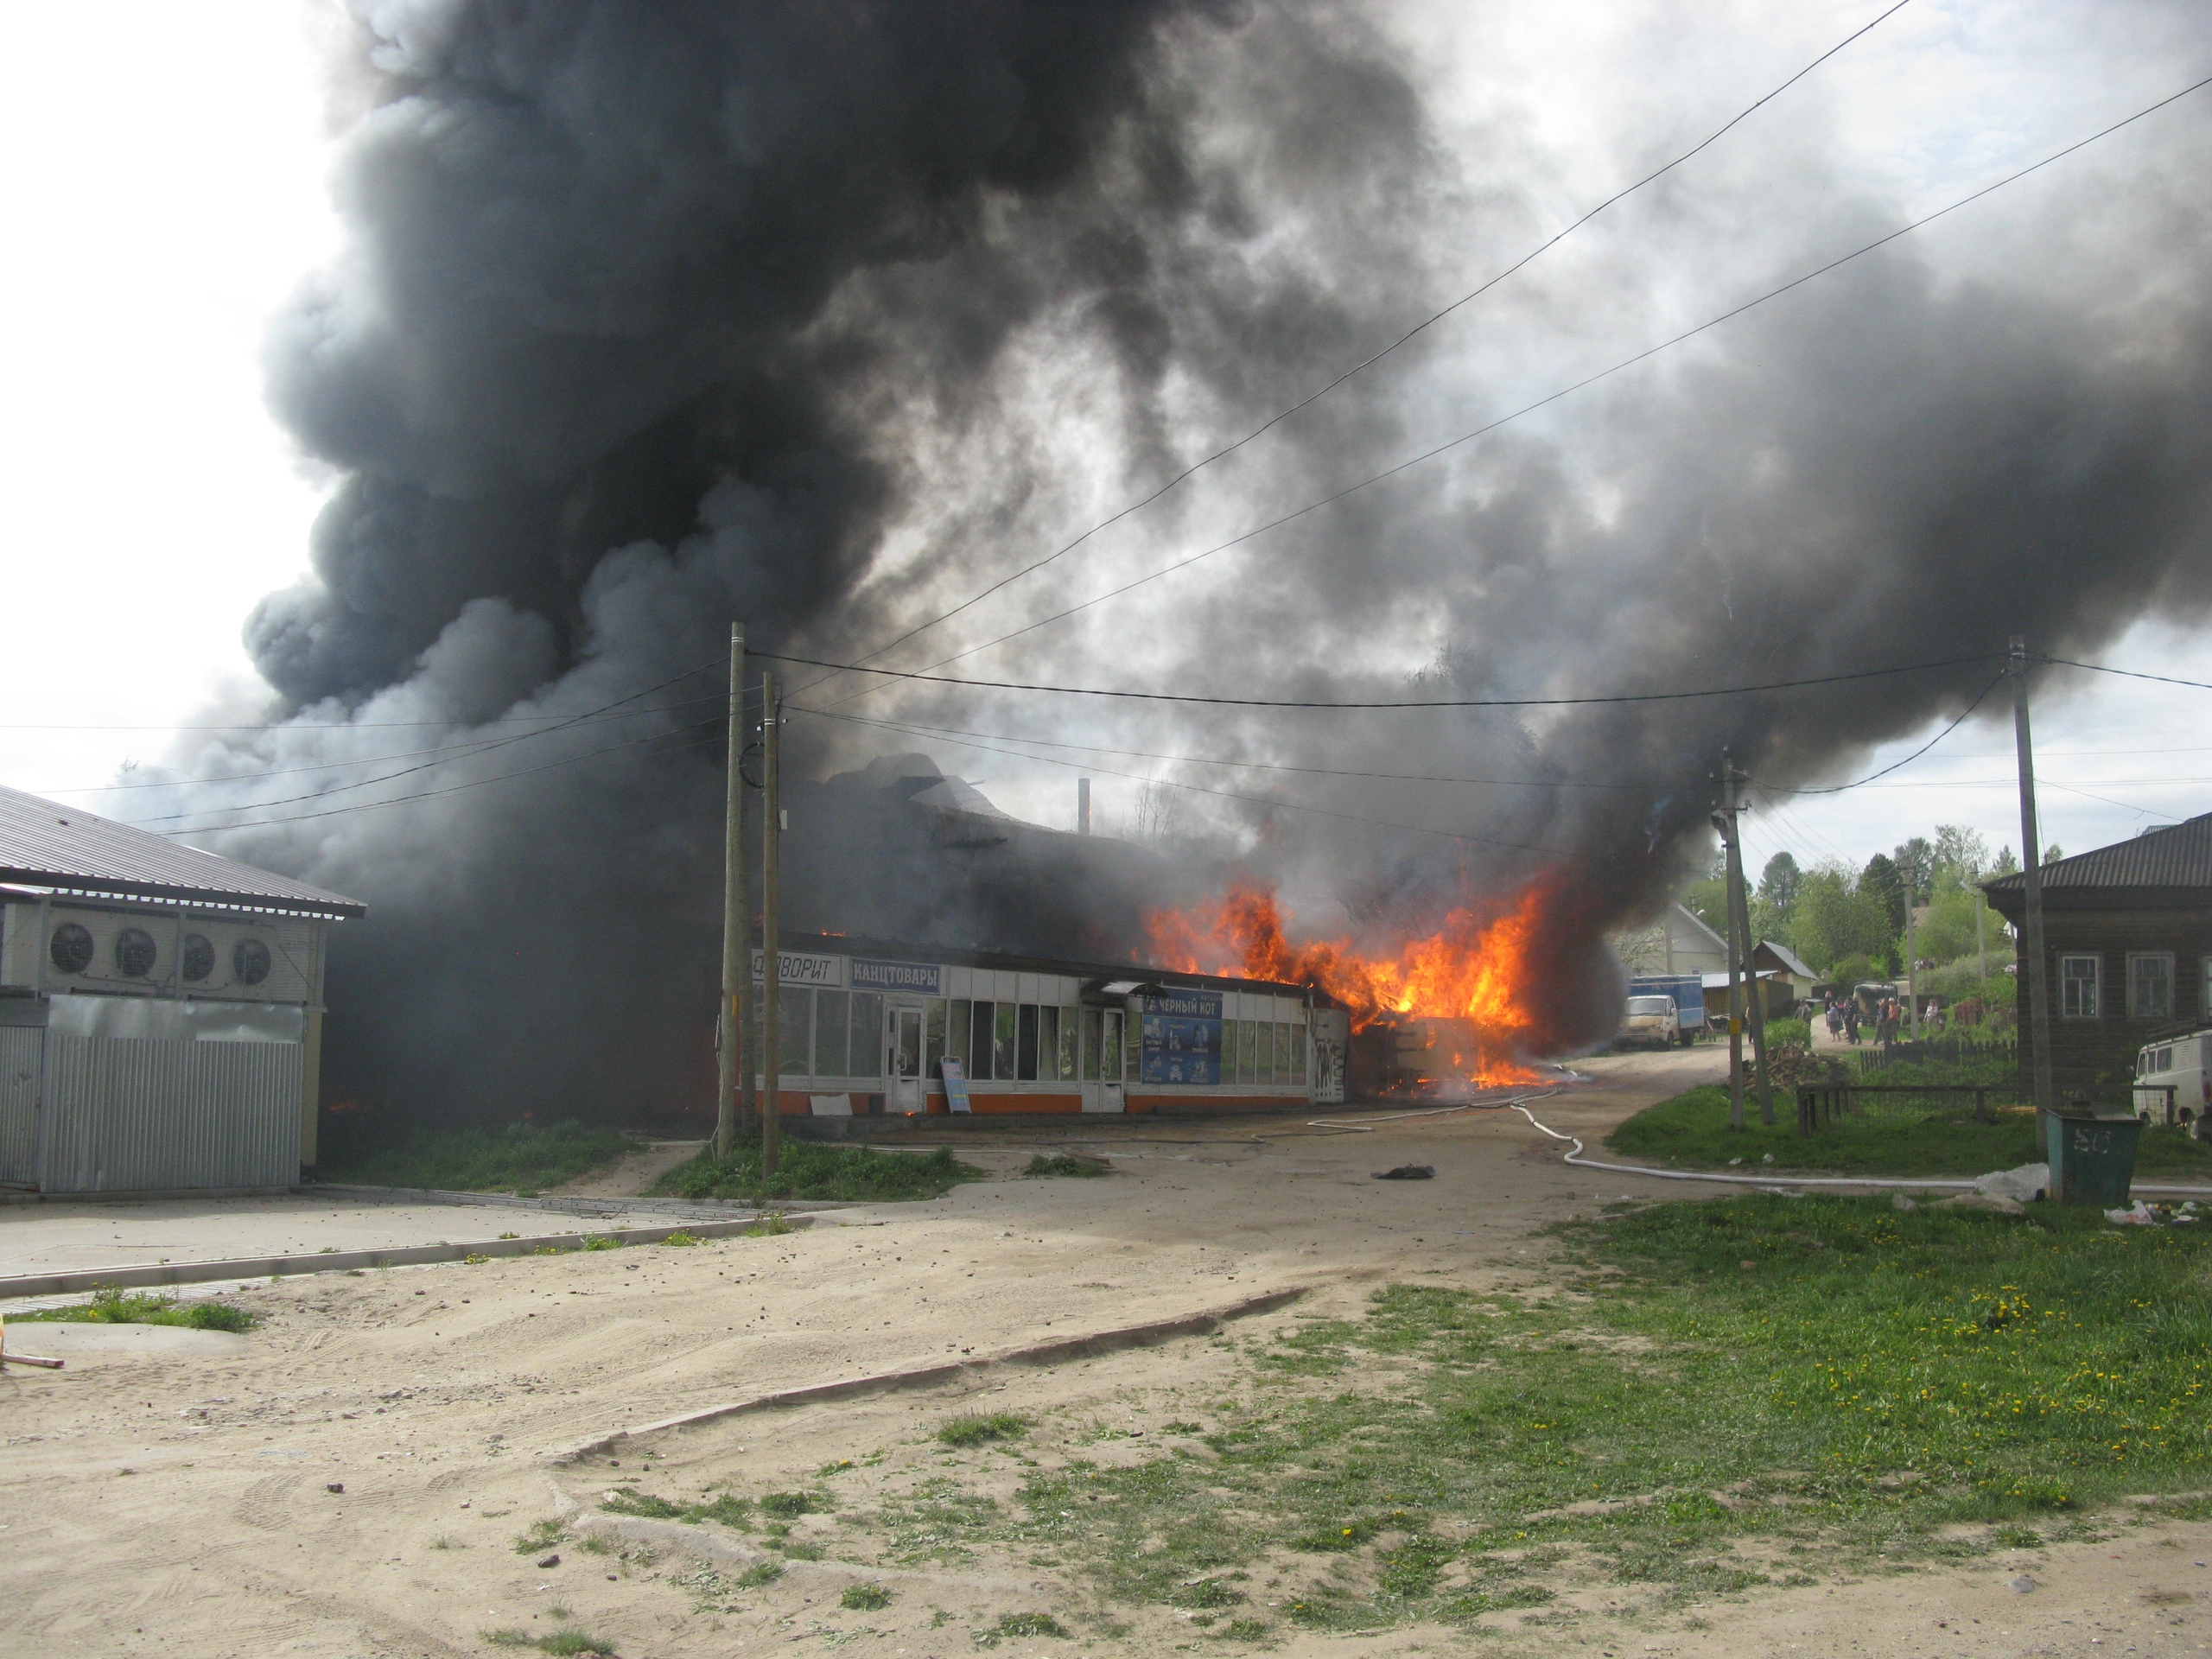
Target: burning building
x,y
843,321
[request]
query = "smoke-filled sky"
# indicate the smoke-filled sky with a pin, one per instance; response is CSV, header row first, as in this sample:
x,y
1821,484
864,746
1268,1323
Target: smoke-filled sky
x,y
615,320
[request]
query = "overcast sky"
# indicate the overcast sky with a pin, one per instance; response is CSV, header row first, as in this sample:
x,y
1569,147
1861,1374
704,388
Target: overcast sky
x,y
168,192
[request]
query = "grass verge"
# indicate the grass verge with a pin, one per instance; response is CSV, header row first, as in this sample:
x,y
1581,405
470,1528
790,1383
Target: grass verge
x,y
1691,1131
811,1169
523,1157
1729,1394
112,1307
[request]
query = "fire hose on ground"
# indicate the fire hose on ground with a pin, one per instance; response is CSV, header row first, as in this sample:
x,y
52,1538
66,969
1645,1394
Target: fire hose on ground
x,y
1574,1156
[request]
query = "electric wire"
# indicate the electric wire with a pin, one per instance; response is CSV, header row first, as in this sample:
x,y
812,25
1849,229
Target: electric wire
x,y
1567,391
450,788
575,719
460,749
1411,702
1421,327
1838,789
2125,673
1224,794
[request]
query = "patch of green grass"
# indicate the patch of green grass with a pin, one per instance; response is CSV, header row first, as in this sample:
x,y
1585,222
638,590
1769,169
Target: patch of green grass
x,y
786,1506
811,1169
1030,1625
112,1306
759,1574
542,1536
600,1242
1064,1163
979,1429
521,1158
679,1240
558,1641
730,1511
1874,1385
1691,1131
865,1598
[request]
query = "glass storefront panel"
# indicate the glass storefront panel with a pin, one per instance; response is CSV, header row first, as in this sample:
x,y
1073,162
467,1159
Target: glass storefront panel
x,y
864,1055
830,1009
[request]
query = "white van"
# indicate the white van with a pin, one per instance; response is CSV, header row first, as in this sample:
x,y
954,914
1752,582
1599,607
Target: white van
x,y
1653,1019
2178,1063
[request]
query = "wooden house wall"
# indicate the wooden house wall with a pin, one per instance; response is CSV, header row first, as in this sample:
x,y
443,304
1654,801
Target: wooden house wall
x,y
2097,1057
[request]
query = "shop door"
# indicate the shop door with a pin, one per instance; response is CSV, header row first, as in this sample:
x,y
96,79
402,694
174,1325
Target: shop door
x,y
903,1059
1103,1093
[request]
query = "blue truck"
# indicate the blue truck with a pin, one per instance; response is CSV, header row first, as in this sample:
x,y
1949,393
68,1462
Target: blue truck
x,y
1688,992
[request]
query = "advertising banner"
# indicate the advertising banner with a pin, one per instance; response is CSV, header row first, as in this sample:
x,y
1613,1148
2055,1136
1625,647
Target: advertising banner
x,y
956,1085
1181,1036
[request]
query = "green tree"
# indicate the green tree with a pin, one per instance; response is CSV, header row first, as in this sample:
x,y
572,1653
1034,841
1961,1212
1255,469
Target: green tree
x,y
1881,879
1778,885
1959,849
1837,916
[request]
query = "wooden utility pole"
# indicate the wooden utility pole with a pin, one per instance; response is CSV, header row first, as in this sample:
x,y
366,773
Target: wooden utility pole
x,y
736,1048
772,1013
1754,996
1911,950
1725,821
2032,949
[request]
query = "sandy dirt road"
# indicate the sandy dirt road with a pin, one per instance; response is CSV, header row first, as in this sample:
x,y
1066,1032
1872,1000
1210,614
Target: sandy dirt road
x,y
178,1499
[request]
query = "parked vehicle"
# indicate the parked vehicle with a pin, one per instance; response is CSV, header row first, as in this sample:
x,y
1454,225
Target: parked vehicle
x,y
2185,1066
1687,992
1651,1021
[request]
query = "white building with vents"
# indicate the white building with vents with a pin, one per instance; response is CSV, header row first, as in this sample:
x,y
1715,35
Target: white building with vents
x,y
161,1010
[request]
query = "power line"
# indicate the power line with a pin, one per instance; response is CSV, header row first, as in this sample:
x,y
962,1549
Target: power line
x,y
1261,765
2128,673
449,789
1203,789
501,743
1838,789
1568,390
460,750
1421,702
1421,327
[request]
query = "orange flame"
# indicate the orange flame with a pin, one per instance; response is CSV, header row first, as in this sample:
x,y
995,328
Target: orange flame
x,y
1473,972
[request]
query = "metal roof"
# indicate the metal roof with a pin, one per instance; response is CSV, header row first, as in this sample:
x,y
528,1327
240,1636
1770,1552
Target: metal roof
x,y
846,945
45,844
2179,855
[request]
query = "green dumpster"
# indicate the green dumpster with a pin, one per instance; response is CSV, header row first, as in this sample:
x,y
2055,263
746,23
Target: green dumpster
x,y
2092,1158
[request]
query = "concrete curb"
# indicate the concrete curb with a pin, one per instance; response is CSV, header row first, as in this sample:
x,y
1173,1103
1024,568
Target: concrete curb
x,y
266,1267
928,1376
695,1209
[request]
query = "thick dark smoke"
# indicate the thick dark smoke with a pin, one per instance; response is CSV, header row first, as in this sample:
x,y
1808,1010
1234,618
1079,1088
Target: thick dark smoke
x,y
654,315
824,315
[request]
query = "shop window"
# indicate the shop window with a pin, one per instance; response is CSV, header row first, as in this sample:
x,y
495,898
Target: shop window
x,y
1048,1044
961,1011
1024,1064
2150,985
1247,1050
2204,984
2077,981
933,1038
1003,1018
866,1054
794,1033
831,1009
1092,1044
1063,1025
980,1026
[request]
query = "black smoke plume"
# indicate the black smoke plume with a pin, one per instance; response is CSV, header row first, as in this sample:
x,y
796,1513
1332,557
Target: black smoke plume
x,y
825,316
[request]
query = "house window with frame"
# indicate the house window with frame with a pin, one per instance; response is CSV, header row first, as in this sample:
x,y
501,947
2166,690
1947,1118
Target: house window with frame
x,y
2150,985
2077,987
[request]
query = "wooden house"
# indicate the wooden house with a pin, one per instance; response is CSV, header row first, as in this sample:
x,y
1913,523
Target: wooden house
x,y
2127,938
